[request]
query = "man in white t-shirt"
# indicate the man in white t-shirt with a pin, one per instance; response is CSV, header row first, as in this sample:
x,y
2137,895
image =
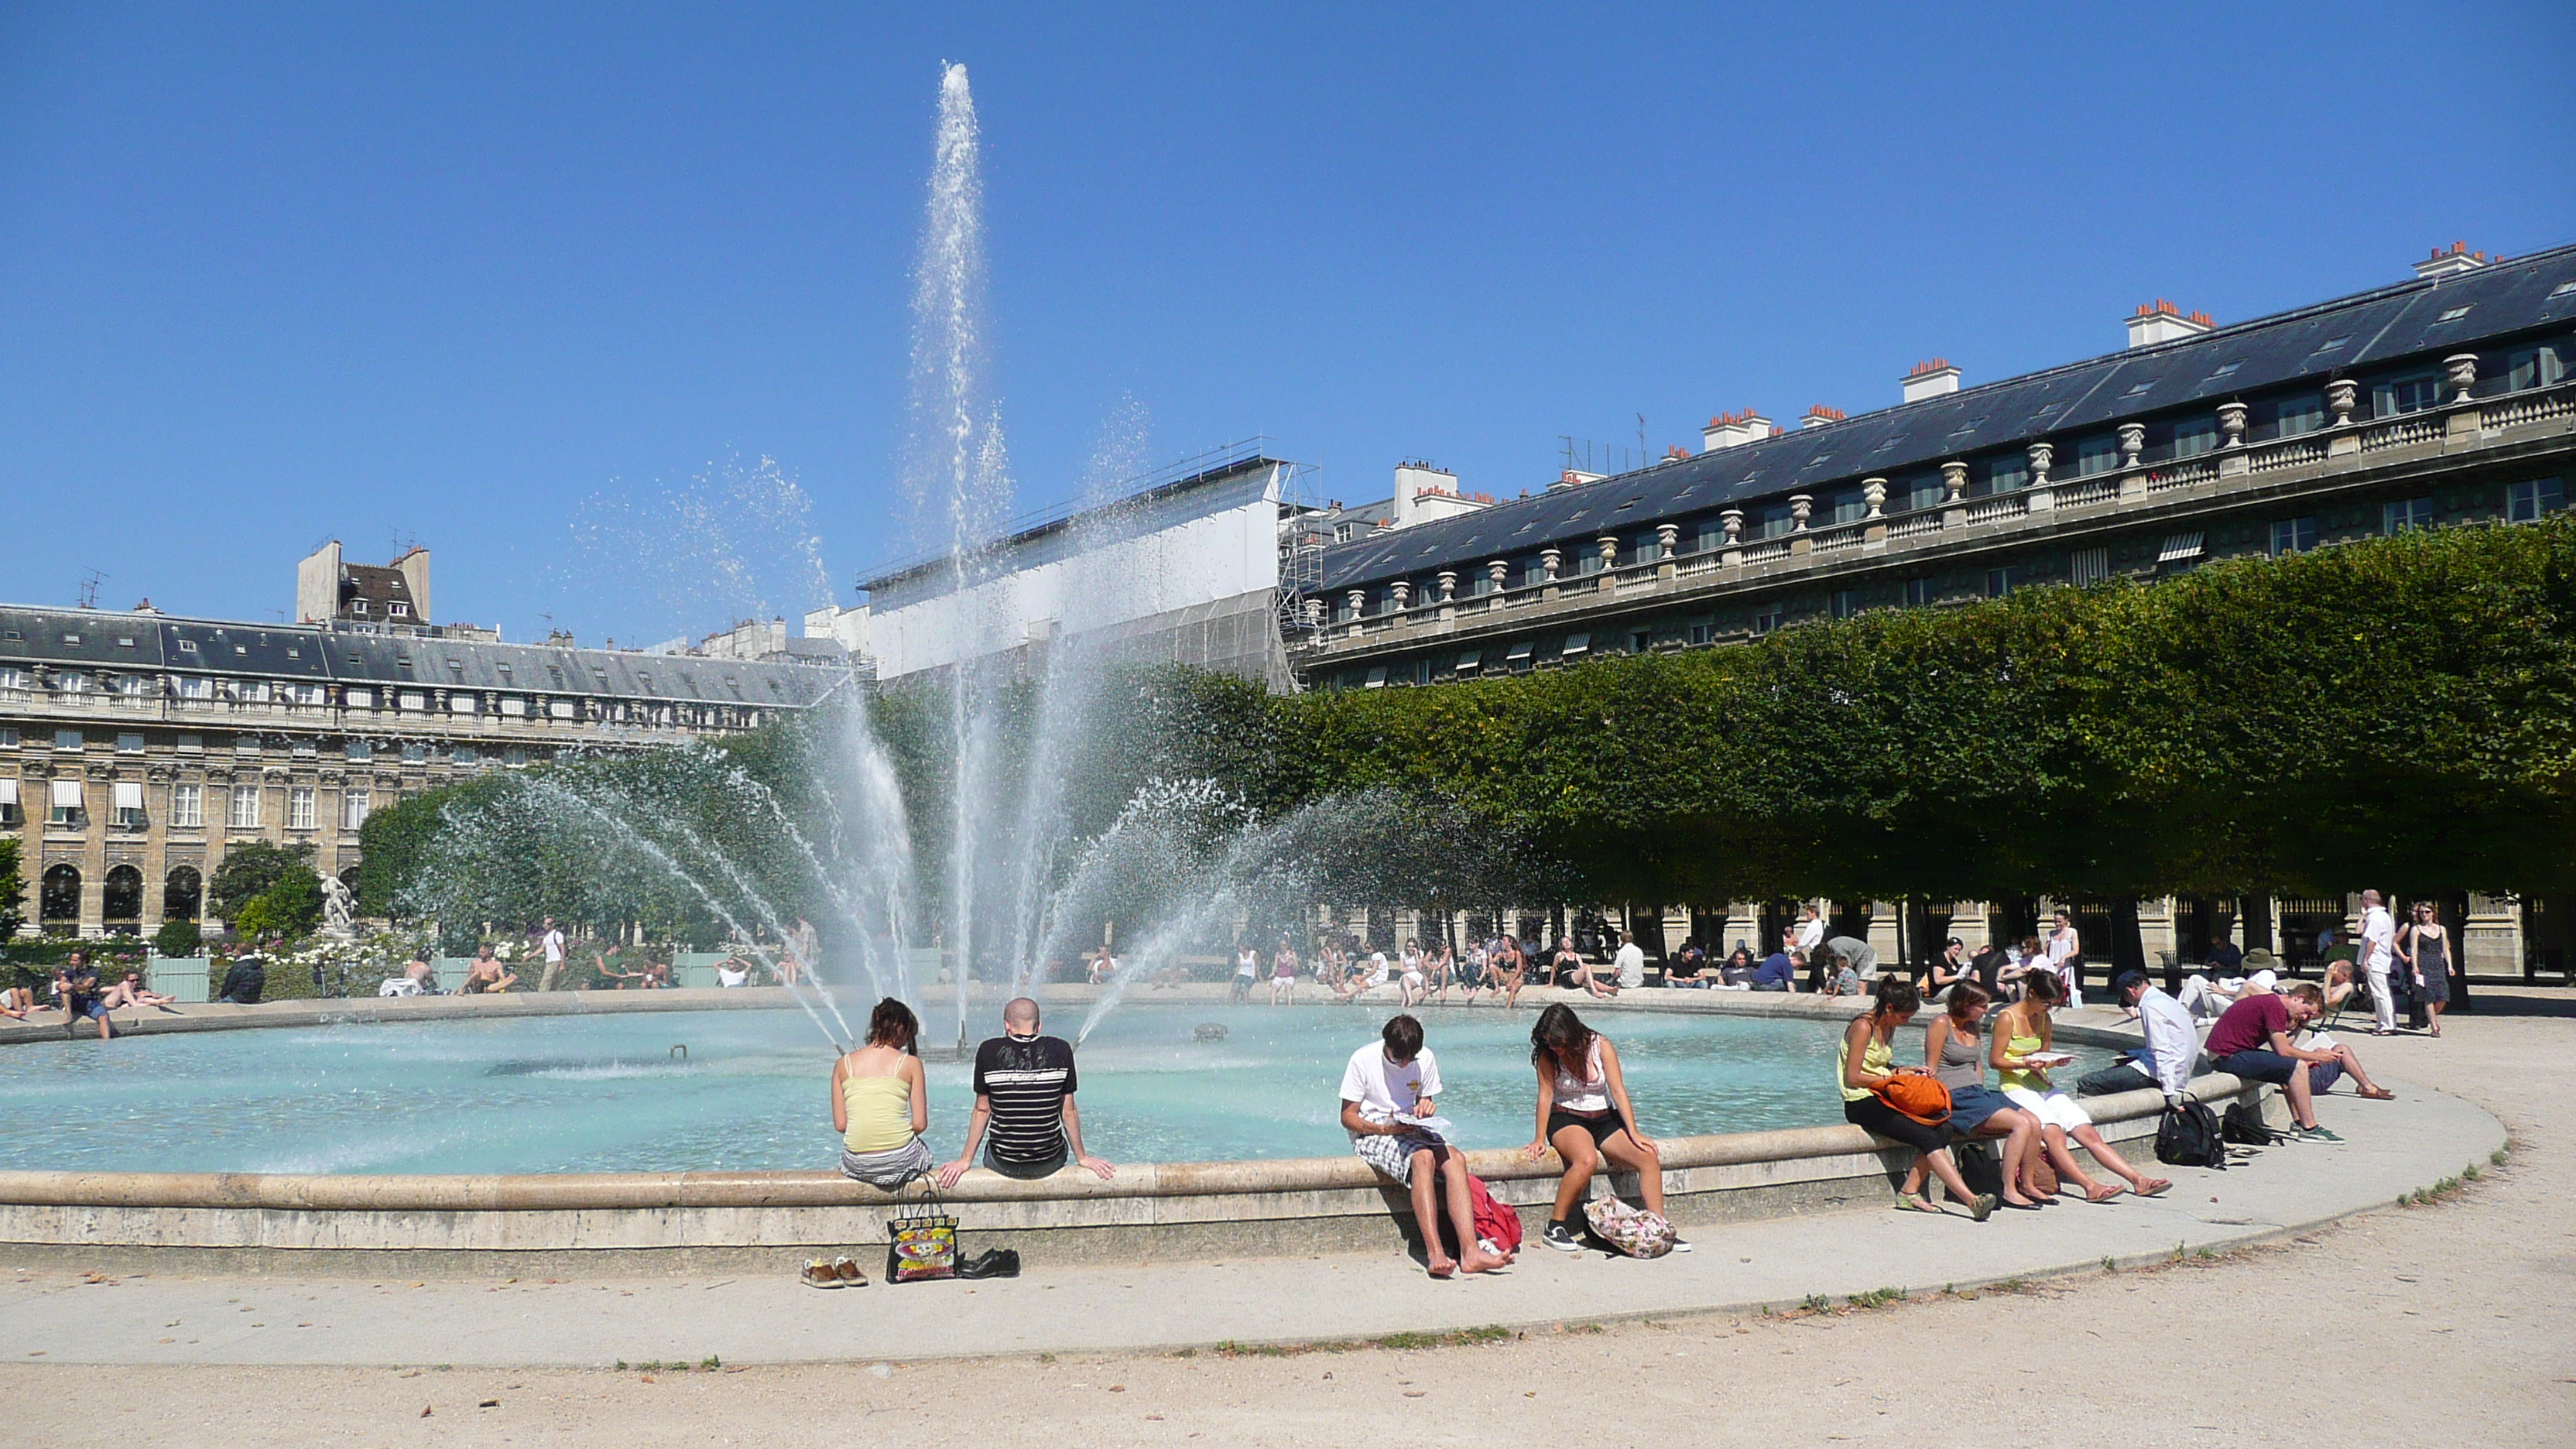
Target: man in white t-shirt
x,y
1388,1107
1811,931
2378,945
553,945
1627,969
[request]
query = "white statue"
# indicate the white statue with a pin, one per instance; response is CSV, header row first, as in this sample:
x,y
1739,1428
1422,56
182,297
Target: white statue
x,y
336,906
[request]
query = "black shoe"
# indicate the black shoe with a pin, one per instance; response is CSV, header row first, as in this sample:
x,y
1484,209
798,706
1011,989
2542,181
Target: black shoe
x,y
1561,1238
997,1263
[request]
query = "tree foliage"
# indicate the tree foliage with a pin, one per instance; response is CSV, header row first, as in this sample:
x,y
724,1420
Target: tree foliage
x,y
250,869
2400,711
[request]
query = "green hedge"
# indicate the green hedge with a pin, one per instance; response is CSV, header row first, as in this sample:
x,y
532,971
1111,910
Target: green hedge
x,y
2401,710
2398,712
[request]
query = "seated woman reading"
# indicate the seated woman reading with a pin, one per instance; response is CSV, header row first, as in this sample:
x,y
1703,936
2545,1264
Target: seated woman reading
x,y
2023,1032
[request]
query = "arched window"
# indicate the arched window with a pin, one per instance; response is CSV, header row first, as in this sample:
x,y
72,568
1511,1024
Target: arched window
x,y
122,900
183,895
59,897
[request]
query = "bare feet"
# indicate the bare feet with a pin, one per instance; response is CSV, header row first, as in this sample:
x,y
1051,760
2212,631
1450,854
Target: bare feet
x,y
2153,1187
1441,1265
2102,1192
1480,1261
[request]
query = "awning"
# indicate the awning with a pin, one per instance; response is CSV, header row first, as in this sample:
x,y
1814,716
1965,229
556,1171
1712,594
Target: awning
x,y
1377,677
2179,546
1468,659
67,795
1577,643
1520,652
129,795
8,791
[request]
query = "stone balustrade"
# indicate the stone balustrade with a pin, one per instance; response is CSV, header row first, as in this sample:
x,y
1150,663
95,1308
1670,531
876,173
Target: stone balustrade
x,y
2341,455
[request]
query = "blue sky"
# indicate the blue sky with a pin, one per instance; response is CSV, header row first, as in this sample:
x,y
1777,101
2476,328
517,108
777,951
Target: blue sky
x,y
509,279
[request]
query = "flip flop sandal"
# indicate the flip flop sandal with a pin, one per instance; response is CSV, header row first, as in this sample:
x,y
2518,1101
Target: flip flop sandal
x,y
2379,1094
819,1274
2108,1192
1904,1204
2156,1187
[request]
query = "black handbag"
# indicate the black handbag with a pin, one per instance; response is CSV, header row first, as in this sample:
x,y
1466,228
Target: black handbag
x,y
2190,1136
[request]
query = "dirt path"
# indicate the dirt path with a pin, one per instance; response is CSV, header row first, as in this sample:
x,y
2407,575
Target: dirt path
x,y
2418,1326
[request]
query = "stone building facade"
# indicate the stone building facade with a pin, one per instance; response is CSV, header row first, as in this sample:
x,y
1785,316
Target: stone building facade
x,y
135,748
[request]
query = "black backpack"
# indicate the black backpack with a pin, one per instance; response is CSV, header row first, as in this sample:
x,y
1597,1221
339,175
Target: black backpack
x,y
2190,1136
2245,1124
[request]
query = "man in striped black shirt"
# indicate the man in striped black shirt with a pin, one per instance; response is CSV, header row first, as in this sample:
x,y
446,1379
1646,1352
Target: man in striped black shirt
x,y
1024,1085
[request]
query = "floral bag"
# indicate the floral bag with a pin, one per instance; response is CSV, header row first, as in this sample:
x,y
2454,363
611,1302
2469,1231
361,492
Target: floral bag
x,y
1633,1231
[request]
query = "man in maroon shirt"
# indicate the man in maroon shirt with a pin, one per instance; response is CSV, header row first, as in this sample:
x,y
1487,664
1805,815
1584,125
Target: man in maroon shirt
x,y
2255,1041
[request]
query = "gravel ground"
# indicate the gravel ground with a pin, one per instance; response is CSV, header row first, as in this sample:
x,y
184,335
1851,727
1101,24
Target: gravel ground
x,y
2409,1326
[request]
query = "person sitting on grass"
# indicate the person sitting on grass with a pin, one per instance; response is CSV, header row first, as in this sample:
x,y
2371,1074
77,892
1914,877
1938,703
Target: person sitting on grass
x,y
1952,1055
1863,1064
2024,1031
1389,1090
488,976
881,1103
1584,1113
2256,1041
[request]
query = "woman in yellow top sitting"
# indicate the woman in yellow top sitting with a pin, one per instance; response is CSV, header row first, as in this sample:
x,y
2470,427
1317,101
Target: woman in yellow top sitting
x,y
880,1104
1863,1065
2020,1032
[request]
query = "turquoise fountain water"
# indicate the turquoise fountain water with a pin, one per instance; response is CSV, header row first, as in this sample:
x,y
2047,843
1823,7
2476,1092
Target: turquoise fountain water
x,y
610,1093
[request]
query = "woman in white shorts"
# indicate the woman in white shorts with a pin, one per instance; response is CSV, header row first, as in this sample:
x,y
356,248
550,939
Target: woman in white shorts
x,y
2023,1031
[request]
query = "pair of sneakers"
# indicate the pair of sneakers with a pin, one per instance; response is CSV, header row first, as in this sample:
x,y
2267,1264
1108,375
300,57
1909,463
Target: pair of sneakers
x,y
2313,1134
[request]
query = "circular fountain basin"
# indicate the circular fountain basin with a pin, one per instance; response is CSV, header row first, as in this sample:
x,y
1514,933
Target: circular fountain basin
x,y
564,1133
746,1090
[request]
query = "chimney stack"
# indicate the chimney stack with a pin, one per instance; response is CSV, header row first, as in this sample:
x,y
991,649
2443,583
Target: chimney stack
x,y
2458,260
1818,416
1936,378
1728,429
2162,321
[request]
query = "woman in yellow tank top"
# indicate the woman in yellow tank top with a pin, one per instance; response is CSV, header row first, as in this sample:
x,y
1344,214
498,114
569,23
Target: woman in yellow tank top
x,y
2022,1030
881,1104
1865,1063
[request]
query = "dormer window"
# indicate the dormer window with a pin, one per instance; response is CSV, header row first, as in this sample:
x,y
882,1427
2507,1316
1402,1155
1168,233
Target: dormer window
x,y
357,606
398,609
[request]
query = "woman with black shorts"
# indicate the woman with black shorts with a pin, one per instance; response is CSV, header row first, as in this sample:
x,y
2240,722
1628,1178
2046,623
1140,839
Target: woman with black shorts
x,y
1584,1113
1866,1063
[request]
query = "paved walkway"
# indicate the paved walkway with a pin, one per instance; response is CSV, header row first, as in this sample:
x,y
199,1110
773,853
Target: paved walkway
x,y
63,1317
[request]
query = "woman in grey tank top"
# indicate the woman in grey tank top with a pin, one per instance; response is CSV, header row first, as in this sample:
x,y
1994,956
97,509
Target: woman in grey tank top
x,y
1952,1053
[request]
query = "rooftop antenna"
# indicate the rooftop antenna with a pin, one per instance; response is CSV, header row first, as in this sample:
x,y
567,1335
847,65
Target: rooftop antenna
x,y
1641,440
89,582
